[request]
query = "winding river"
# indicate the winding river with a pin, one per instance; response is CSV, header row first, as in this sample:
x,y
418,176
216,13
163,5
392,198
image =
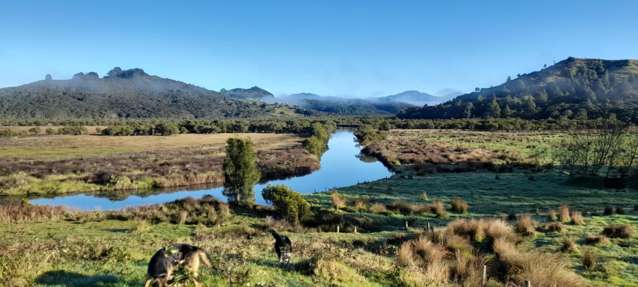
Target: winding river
x,y
342,165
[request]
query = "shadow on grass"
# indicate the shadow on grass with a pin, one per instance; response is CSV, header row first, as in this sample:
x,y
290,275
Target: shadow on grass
x,y
73,279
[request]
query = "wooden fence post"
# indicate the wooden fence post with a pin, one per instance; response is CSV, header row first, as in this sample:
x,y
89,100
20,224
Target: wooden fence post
x,y
527,283
484,280
338,226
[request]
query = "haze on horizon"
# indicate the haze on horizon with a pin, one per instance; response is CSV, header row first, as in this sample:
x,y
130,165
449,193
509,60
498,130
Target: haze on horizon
x,y
333,48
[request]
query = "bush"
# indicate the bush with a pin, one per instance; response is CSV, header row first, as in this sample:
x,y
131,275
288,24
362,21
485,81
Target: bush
x,y
609,210
289,204
618,231
459,205
73,130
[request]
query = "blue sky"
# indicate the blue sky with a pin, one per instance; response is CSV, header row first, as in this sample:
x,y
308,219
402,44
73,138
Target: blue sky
x,y
338,48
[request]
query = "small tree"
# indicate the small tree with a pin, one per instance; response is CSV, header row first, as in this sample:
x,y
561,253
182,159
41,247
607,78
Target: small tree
x,y
289,204
240,171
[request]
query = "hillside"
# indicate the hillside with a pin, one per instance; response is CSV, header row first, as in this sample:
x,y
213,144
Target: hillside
x,y
573,89
254,93
121,94
414,98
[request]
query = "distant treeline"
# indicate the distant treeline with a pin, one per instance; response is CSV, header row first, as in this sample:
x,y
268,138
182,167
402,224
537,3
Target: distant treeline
x,y
302,125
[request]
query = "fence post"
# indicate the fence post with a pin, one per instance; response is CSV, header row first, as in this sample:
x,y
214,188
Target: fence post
x,y
484,280
338,226
406,226
527,283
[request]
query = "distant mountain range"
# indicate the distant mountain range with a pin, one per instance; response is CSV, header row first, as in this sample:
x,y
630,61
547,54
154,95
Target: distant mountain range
x,y
572,89
388,105
125,94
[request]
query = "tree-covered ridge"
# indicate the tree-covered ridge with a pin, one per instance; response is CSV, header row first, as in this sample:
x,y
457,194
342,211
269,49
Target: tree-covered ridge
x,y
571,89
122,94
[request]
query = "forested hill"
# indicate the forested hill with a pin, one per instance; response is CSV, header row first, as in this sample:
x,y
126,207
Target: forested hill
x,y
573,89
122,94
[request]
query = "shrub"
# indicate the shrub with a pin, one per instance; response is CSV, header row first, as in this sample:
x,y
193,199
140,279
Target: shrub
x,y
459,205
525,225
564,214
338,202
289,204
577,218
618,231
589,259
620,210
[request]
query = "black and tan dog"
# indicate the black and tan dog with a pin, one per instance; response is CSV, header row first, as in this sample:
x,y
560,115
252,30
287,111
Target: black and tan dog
x,y
283,246
167,261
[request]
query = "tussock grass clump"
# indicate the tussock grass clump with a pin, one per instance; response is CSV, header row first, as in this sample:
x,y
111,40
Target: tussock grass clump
x,y
551,227
563,214
589,259
552,216
207,211
378,208
438,209
577,218
569,245
424,257
336,273
618,231
479,230
525,225
338,202
596,240
543,269
360,205
459,205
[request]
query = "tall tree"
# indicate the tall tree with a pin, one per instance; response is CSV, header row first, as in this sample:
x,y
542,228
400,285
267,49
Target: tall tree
x,y
240,171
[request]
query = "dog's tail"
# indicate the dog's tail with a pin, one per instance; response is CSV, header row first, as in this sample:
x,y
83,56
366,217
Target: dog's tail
x,y
276,235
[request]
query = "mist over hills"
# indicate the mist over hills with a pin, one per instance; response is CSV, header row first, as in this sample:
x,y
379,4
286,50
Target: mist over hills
x,y
388,105
572,89
123,94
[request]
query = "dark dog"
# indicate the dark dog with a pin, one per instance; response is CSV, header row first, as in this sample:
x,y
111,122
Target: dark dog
x,y
283,246
160,269
166,261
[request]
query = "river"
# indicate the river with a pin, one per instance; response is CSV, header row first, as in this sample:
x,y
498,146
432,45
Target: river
x,y
342,165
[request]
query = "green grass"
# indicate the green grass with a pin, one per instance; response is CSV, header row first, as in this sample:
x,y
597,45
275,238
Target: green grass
x,y
486,194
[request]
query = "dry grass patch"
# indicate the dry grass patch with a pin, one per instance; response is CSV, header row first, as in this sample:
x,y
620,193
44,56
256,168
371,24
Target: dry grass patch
x,y
525,225
459,205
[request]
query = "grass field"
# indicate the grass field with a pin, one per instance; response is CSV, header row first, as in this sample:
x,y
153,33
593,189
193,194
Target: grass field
x,y
65,163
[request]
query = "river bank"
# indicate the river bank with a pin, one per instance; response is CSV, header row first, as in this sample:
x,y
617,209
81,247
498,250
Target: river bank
x,y
50,165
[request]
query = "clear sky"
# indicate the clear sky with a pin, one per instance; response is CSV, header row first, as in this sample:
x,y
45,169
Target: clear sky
x,y
338,48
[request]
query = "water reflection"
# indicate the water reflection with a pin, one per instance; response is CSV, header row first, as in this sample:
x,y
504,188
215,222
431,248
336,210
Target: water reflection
x,y
341,166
